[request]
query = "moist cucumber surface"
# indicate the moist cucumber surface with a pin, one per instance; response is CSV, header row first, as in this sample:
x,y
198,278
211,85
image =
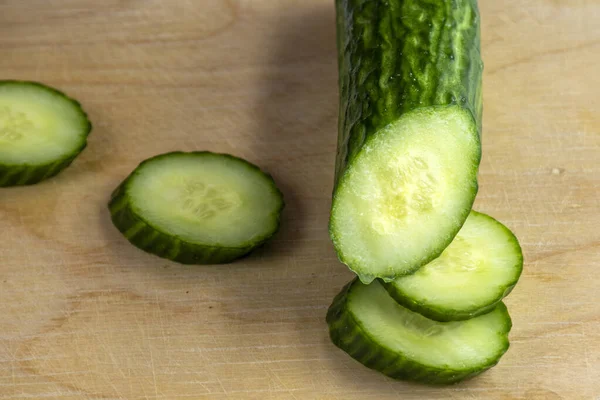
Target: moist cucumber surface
x,y
477,270
409,131
42,130
374,329
197,208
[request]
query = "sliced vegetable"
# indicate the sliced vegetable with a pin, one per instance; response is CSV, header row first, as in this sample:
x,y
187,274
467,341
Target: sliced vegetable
x,y
371,327
197,208
42,130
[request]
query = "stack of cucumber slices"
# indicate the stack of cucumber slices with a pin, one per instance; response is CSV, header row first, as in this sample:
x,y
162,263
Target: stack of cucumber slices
x,y
432,272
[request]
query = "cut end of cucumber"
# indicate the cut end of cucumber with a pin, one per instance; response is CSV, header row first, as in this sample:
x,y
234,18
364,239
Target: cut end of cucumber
x,y
205,198
479,267
407,193
39,125
461,345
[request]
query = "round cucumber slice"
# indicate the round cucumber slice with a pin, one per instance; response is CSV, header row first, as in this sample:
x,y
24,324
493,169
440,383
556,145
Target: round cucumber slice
x,y
197,208
371,327
478,269
42,130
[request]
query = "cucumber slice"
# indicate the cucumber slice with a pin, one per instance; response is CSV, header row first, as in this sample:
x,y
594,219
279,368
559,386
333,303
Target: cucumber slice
x,y
479,268
409,131
42,130
407,193
197,208
371,327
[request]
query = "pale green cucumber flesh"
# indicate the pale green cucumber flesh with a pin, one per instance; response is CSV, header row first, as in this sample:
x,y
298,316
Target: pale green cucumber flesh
x,y
41,131
198,207
371,327
406,194
477,270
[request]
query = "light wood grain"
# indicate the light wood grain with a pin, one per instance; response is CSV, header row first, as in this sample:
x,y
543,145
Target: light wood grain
x,y
87,316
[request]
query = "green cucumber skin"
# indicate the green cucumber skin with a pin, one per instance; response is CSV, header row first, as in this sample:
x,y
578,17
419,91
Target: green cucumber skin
x,y
347,334
395,56
152,240
22,175
444,314
11,175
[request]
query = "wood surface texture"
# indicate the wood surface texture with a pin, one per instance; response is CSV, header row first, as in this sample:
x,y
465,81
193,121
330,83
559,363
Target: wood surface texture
x,y
84,315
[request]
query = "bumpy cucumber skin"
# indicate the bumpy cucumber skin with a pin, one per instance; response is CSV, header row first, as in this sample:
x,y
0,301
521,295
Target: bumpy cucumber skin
x,y
446,314
347,333
21,175
145,236
396,56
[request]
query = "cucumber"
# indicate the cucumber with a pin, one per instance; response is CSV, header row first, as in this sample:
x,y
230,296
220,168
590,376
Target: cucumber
x,y
479,268
365,322
42,130
197,208
409,131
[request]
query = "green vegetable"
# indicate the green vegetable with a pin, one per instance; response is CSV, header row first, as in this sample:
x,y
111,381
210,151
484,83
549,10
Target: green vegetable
x,y
41,132
197,208
371,327
409,131
479,268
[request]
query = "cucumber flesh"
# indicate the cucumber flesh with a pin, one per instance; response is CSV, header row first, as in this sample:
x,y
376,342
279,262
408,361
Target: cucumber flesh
x,y
479,268
370,326
197,208
407,193
41,132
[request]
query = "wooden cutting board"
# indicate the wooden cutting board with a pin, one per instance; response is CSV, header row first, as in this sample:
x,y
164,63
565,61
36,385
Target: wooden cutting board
x,y
84,315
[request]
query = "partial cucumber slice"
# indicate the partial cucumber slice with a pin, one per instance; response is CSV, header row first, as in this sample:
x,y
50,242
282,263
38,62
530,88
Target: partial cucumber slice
x,y
197,208
41,132
479,268
371,327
